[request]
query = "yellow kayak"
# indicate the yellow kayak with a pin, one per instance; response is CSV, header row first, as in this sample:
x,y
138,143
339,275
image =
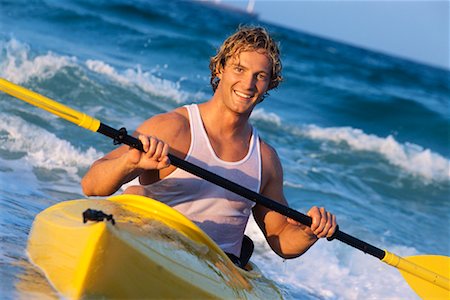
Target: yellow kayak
x,y
143,249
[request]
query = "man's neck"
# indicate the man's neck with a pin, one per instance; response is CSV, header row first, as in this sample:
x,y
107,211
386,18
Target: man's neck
x,y
220,121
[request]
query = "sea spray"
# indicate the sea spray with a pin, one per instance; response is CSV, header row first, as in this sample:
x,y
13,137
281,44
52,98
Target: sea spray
x,y
18,64
144,80
412,158
43,149
409,157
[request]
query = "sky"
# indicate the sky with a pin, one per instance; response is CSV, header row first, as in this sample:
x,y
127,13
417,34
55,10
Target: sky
x,y
416,30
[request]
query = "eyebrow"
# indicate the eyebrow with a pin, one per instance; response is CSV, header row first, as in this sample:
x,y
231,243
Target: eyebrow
x,y
238,64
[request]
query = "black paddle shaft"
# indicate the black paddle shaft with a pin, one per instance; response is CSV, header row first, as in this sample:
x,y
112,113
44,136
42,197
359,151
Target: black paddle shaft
x,y
121,137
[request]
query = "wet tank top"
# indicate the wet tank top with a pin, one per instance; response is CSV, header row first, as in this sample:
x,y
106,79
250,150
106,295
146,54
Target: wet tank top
x,y
222,214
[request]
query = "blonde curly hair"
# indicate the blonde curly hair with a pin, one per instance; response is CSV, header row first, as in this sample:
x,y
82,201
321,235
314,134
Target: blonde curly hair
x,y
247,38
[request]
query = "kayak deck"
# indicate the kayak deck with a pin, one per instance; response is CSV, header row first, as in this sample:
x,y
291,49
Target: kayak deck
x,y
152,251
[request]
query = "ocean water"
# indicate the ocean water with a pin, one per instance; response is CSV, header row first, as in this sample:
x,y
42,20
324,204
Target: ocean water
x,y
363,134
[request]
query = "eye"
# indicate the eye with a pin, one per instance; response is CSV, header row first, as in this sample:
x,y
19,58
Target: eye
x,y
238,69
261,76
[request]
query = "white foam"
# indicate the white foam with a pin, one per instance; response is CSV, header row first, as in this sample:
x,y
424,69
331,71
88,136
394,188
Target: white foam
x,y
43,149
18,65
412,158
260,114
144,80
288,183
332,270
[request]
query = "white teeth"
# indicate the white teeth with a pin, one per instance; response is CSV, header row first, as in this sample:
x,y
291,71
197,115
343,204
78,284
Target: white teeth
x,y
242,95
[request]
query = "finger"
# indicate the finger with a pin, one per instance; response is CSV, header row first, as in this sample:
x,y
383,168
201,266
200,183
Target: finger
x,y
152,148
322,223
314,213
164,163
323,219
326,230
158,150
145,142
165,154
333,226
165,151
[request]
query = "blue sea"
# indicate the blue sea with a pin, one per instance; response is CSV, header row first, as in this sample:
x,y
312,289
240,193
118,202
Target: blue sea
x,y
364,134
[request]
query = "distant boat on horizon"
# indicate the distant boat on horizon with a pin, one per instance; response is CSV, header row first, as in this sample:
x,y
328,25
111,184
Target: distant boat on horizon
x,y
249,10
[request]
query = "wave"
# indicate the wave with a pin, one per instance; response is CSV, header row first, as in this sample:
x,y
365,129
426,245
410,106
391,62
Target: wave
x,y
328,269
43,149
259,114
144,80
411,158
18,66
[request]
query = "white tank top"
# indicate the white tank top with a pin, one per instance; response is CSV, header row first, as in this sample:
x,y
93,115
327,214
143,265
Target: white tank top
x,y
222,214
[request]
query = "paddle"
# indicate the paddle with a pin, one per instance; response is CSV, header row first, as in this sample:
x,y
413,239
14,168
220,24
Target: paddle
x,y
428,282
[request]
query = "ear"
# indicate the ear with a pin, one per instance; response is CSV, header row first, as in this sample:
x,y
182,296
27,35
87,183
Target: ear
x,y
219,71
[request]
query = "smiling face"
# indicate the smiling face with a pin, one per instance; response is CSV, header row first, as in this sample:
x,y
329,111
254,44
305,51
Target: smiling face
x,y
247,39
244,80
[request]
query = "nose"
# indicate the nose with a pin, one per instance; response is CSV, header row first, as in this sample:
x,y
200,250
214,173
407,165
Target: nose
x,y
249,82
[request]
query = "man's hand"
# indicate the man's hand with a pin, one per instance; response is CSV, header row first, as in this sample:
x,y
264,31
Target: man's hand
x,y
155,155
323,222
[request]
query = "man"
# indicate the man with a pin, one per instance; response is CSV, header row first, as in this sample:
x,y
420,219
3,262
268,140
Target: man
x,y
216,135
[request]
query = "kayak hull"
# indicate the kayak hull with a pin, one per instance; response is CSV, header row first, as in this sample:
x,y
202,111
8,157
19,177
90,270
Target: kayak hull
x,y
151,251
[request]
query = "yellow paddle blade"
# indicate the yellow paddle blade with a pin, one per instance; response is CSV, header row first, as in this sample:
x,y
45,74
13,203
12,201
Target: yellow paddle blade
x,y
79,118
427,275
425,289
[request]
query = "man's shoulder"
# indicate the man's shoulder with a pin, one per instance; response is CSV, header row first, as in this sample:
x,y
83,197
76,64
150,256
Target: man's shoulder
x,y
272,171
176,118
268,153
166,125
178,115
270,160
